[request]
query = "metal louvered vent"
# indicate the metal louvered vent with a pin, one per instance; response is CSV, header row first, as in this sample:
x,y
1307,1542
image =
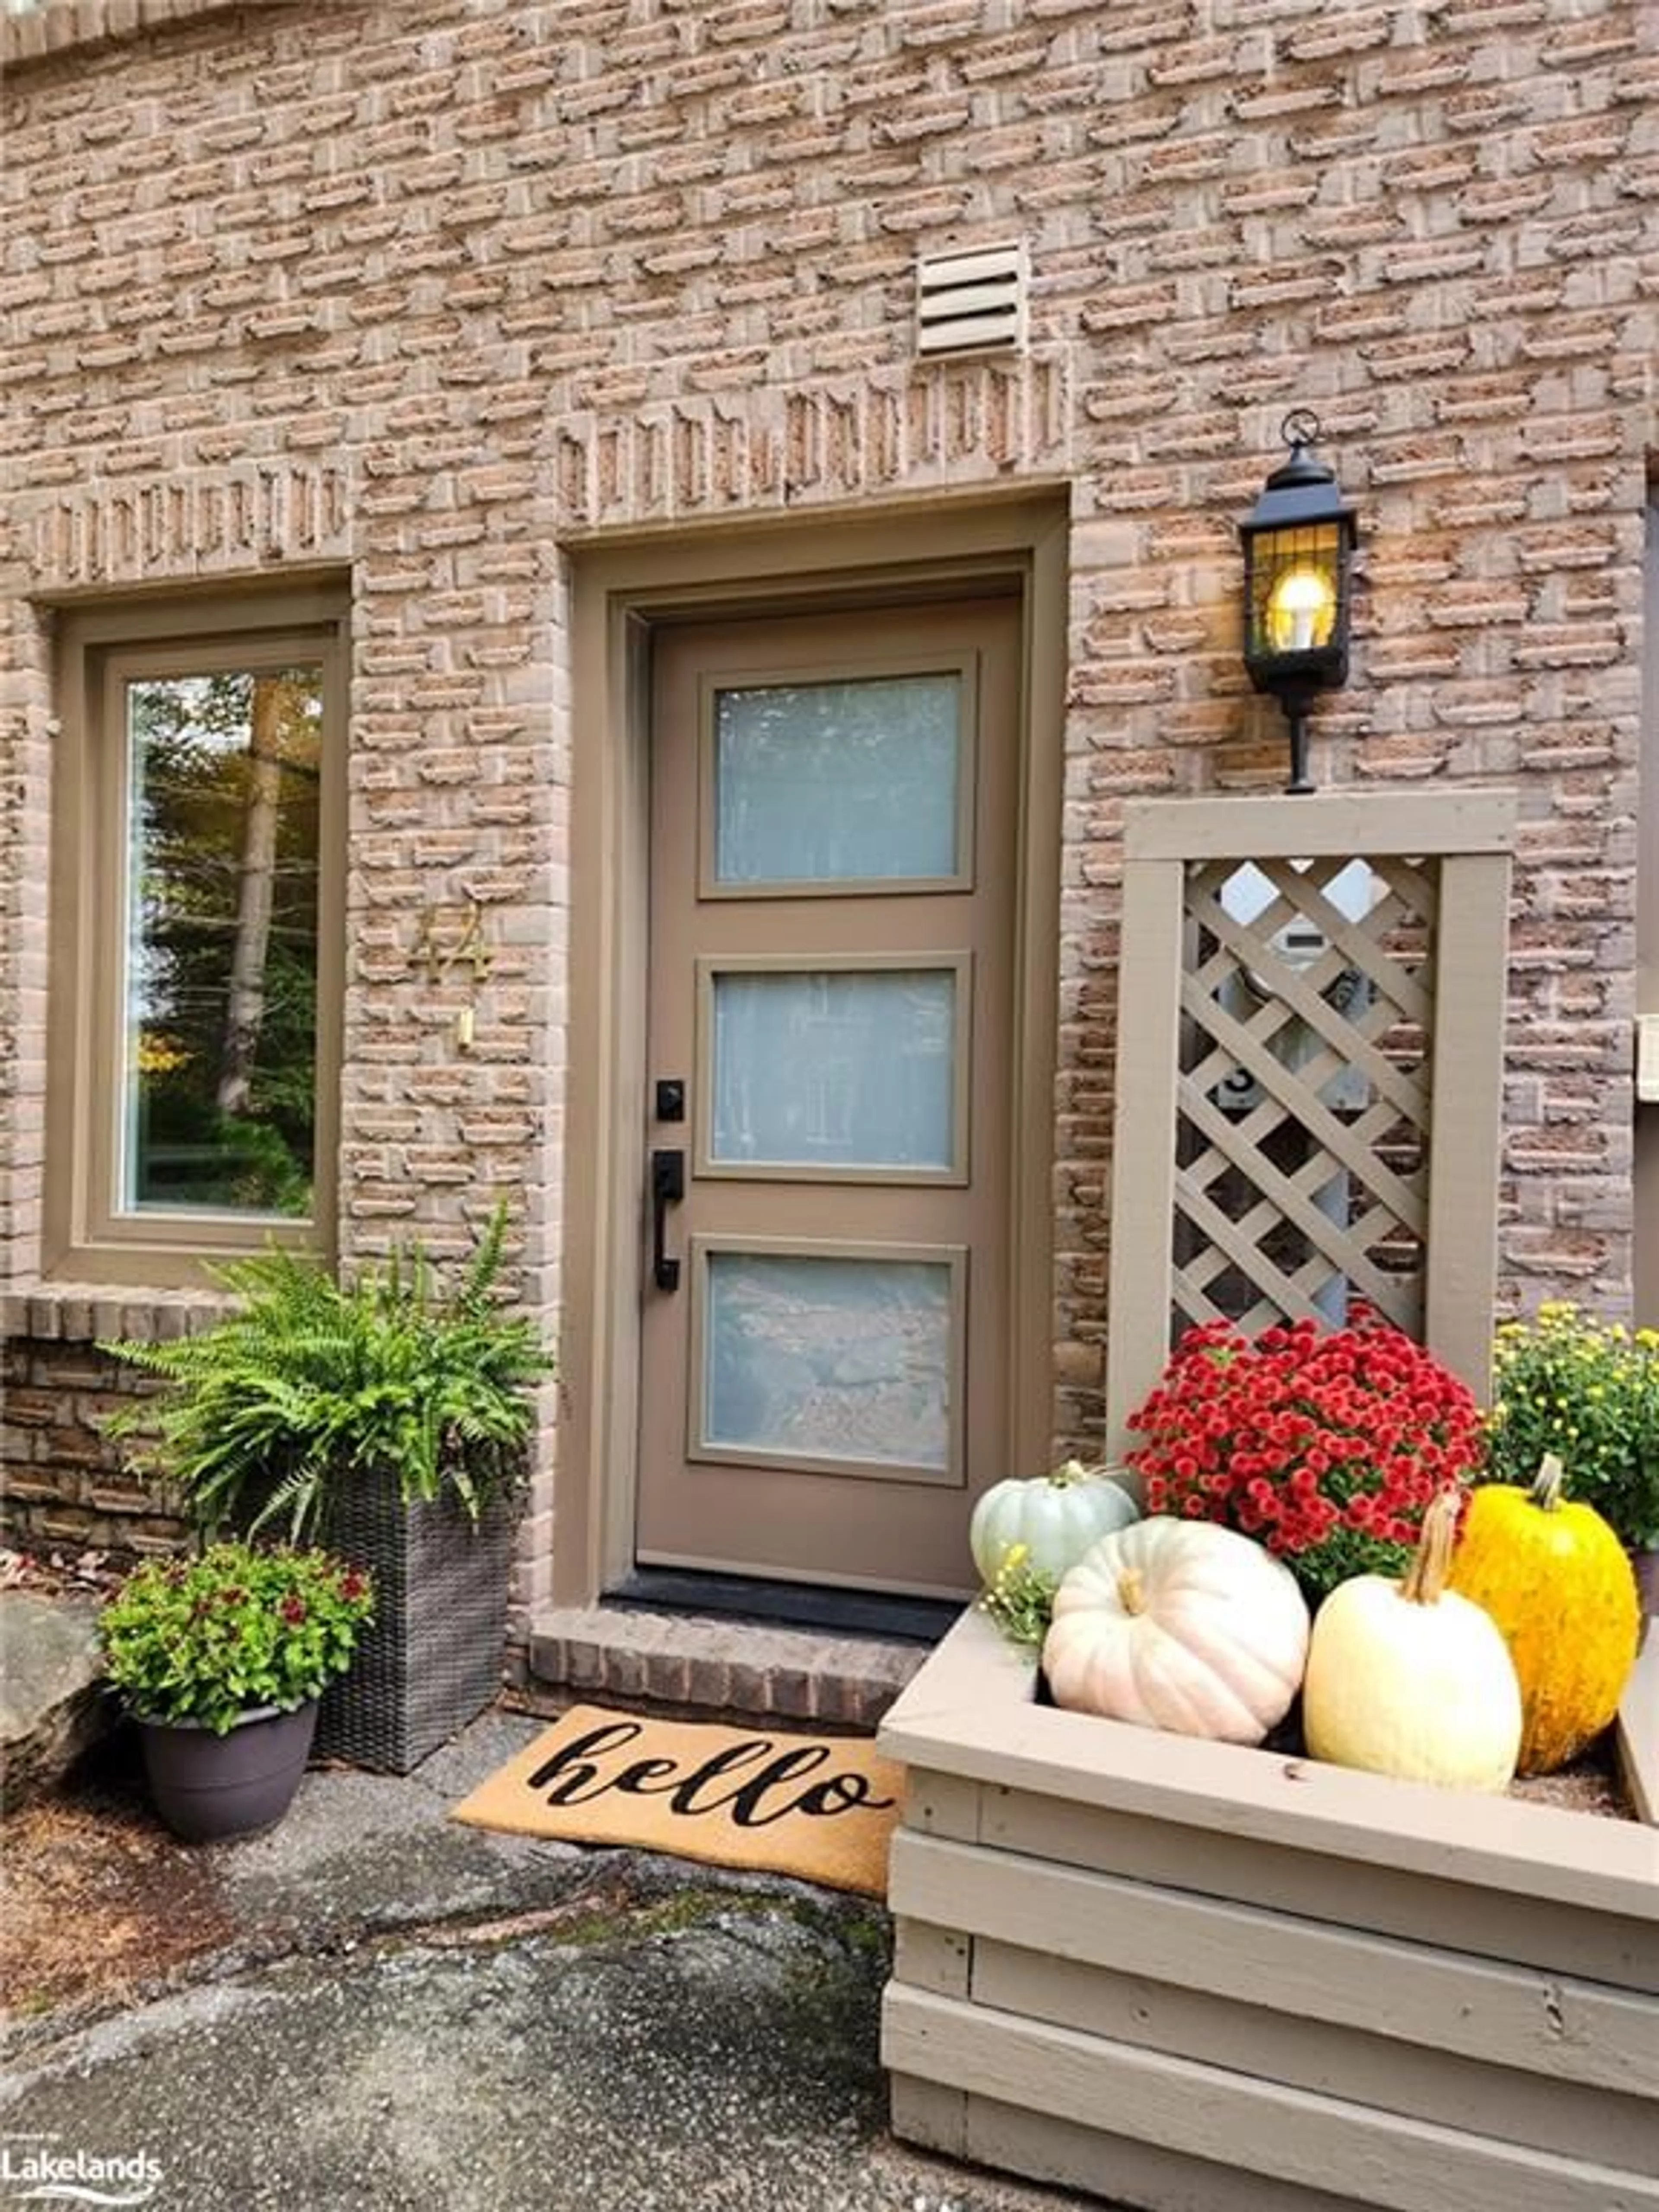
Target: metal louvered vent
x,y
972,302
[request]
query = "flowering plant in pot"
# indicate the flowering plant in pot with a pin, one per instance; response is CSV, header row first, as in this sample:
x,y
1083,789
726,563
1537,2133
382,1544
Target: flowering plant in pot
x,y
1587,1392
385,1411
1327,1445
222,1659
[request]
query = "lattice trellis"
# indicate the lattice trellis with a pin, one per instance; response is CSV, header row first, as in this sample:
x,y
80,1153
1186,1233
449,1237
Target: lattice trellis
x,y
1310,1032
1303,1103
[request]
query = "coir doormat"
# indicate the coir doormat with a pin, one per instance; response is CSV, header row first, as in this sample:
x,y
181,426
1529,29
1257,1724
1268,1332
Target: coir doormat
x,y
819,1807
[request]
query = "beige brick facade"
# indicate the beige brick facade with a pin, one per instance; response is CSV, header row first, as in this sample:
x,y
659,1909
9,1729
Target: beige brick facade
x,y
433,294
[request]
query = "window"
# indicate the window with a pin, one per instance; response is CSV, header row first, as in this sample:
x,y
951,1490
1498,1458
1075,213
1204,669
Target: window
x,y
196,897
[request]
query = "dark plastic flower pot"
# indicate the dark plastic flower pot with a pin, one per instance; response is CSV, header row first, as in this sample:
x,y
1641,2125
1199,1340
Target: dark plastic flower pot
x,y
206,1786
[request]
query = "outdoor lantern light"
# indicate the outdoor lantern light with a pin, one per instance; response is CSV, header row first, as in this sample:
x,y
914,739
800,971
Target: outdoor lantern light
x,y
1297,543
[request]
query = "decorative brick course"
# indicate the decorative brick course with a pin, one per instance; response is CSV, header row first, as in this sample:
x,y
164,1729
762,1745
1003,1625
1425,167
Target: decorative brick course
x,y
423,291
674,1661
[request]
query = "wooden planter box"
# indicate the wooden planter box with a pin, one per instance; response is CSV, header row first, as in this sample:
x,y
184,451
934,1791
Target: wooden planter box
x,y
1198,1978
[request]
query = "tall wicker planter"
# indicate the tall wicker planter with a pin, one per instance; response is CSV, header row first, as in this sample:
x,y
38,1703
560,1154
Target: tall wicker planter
x,y
432,1661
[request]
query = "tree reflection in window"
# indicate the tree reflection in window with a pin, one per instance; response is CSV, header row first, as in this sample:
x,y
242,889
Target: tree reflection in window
x,y
219,1075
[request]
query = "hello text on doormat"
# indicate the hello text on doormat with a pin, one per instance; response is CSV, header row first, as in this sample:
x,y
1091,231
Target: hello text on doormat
x,y
821,1807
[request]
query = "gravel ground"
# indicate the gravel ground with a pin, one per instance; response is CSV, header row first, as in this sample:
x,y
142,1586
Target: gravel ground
x,y
372,2008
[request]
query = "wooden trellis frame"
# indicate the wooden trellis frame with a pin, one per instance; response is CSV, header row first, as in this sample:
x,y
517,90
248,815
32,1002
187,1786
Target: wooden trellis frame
x,y
1362,1055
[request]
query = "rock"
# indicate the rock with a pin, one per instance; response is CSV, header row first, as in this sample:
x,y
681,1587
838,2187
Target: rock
x,y
52,1703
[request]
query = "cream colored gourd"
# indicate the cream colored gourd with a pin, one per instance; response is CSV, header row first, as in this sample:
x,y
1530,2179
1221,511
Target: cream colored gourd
x,y
1408,1679
1056,1517
1180,1626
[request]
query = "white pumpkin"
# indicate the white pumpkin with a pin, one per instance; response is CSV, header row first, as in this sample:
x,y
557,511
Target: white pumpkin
x,y
1408,1679
1180,1626
1056,1517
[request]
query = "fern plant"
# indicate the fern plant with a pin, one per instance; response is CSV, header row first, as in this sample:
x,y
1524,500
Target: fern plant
x,y
314,1383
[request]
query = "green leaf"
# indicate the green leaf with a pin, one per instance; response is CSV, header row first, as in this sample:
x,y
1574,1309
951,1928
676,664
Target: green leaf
x,y
314,1381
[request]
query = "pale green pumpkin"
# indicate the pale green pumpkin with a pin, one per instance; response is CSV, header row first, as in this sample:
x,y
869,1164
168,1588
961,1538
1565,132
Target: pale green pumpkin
x,y
1056,1517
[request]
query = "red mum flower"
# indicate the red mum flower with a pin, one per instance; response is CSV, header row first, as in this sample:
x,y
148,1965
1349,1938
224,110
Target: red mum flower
x,y
1327,1442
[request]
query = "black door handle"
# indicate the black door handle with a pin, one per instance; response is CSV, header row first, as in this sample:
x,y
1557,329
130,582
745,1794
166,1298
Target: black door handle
x,y
667,1188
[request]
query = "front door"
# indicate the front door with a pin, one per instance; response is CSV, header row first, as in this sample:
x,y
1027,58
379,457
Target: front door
x,y
826,1338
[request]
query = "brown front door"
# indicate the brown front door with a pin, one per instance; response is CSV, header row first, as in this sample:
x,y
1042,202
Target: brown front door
x,y
826,1336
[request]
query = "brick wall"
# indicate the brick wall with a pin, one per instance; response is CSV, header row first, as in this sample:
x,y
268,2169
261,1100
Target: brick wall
x,y
67,1485
425,291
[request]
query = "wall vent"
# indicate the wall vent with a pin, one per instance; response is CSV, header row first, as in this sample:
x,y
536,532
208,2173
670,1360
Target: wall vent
x,y
971,302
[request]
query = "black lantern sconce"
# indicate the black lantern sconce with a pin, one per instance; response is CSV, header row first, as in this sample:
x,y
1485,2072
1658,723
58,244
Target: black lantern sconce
x,y
1298,548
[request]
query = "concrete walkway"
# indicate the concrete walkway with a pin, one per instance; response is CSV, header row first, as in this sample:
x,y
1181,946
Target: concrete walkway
x,y
410,2015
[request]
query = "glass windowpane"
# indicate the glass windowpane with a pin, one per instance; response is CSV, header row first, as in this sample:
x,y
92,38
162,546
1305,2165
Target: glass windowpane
x,y
835,1069
218,1083
829,1359
845,781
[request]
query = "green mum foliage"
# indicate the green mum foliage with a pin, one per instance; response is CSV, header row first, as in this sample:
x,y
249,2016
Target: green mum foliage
x,y
1587,1390
1020,1597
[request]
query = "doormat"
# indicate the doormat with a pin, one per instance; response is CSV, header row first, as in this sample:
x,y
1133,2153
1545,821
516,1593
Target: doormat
x,y
821,1807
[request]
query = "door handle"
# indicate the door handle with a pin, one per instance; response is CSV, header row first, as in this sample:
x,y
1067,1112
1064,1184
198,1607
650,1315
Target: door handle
x,y
667,1188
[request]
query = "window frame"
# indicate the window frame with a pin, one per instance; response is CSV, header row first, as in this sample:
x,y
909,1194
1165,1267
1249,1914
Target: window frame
x,y
88,1235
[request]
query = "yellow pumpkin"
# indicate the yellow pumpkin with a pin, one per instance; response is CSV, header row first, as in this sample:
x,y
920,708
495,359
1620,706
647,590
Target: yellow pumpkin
x,y
1558,1581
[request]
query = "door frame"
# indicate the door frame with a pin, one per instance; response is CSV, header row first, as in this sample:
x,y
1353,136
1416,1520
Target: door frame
x,y
619,593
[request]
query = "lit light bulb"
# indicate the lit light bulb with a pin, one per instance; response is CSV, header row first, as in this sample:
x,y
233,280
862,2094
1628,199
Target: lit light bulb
x,y
1301,608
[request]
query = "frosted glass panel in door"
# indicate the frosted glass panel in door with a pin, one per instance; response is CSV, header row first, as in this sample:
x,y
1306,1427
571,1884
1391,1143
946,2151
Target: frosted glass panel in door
x,y
828,1359
838,1069
830,782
